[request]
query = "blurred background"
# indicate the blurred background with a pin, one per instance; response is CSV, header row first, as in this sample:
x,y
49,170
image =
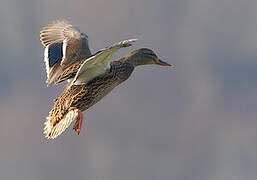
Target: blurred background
x,y
196,121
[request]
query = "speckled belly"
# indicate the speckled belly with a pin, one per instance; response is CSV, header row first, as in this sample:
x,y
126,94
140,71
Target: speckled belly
x,y
97,96
92,94
87,95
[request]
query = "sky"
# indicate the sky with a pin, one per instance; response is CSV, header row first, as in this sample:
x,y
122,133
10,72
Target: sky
x,y
195,121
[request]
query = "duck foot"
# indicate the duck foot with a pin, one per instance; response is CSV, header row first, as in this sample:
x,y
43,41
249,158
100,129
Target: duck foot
x,y
78,123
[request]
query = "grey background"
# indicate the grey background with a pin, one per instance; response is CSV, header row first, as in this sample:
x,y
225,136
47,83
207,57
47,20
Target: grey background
x,y
196,121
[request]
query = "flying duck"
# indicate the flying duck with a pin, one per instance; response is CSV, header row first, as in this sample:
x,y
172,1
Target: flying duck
x,y
91,78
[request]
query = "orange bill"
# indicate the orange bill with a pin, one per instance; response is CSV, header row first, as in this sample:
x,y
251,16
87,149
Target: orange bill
x,y
162,63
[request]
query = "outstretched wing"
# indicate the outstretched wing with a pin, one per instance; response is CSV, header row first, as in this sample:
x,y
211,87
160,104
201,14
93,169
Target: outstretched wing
x,y
64,45
99,63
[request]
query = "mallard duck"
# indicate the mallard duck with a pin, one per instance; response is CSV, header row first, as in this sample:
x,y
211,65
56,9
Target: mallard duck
x,y
64,45
92,79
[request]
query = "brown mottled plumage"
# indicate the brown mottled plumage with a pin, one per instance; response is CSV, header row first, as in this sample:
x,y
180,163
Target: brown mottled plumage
x,y
69,72
76,98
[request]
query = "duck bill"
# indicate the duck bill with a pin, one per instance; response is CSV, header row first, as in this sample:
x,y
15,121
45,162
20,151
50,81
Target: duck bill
x,y
162,63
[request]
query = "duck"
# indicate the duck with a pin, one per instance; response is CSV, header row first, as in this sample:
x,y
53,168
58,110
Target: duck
x,y
91,79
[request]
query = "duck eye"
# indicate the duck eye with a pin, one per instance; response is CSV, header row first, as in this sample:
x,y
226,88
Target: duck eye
x,y
149,54
152,55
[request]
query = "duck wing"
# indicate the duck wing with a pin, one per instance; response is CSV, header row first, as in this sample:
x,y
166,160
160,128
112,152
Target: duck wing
x,y
64,45
99,63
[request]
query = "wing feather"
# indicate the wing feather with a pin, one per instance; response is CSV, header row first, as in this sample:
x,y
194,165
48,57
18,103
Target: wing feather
x,y
99,63
69,72
74,46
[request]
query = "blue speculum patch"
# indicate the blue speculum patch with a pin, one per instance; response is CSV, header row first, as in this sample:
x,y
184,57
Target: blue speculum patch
x,y
55,53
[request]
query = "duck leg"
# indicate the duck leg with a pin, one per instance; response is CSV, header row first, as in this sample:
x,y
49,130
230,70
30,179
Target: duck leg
x,y
78,123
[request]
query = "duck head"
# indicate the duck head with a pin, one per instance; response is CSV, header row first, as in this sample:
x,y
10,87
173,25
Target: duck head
x,y
145,56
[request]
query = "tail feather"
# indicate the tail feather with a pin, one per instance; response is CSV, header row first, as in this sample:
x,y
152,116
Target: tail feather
x,y
52,131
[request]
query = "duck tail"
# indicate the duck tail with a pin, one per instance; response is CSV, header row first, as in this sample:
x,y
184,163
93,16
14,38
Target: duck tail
x,y
52,130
